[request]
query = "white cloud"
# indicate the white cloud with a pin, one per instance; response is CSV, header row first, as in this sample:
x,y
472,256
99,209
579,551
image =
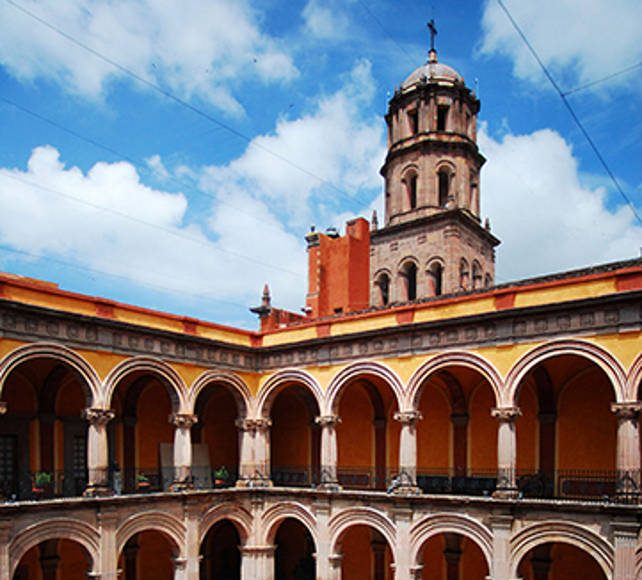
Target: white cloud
x,y
546,218
579,41
196,48
335,142
325,20
39,220
157,167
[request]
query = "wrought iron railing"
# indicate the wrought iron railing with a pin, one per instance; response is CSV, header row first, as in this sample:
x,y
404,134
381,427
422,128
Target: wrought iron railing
x,y
457,482
42,485
295,476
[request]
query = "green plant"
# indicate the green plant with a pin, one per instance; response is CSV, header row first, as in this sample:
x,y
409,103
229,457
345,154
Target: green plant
x,y
142,478
221,473
42,478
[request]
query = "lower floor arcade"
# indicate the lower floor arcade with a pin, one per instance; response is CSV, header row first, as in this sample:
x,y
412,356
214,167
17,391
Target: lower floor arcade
x,y
295,535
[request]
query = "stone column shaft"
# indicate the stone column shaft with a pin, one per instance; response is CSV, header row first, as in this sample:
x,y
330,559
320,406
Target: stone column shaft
x,y
408,449
329,452
97,451
625,539
182,450
628,448
506,451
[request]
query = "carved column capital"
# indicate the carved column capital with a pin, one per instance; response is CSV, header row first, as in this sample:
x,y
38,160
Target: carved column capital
x,y
183,420
262,424
335,561
408,417
98,416
327,420
627,411
506,414
3,407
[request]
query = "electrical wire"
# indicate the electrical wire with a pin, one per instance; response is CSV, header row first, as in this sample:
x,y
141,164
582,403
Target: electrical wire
x,y
182,102
165,289
167,230
606,78
588,138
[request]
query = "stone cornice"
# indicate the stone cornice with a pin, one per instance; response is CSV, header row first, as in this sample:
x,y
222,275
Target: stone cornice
x,y
619,312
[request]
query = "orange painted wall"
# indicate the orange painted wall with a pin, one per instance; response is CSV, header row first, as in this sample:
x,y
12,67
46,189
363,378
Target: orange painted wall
x,y
434,431
527,427
471,565
219,431
482,431
294,544
567,562
357,562
29,565
355,433
290,432
74,561
154,557
432,554
153,427
586,426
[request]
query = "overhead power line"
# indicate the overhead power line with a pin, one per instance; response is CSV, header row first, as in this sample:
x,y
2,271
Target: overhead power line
x,y
606,78
562,95
170,231
182,102
158,287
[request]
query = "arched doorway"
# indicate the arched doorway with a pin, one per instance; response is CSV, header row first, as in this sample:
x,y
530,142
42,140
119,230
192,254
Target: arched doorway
x,y
457,438
141,446
451,556
148,555
295,437
54,559
43,437
294,554
368,435
215,437
365,554
566,434
559,561
220,553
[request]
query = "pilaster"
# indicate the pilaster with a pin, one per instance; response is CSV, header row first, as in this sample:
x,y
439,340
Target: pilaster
x,y
506,451
628,449
329,478
97,451
407,476
625,541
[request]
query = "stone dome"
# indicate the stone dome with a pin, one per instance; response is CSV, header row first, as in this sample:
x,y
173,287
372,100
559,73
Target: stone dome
x,y
434,72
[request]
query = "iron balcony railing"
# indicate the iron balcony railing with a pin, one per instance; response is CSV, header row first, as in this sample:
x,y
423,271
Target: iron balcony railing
x,y
42,485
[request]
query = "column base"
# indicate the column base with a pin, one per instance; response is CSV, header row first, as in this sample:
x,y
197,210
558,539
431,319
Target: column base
x,y
407,490
329,486
506,493
181,486
247,482
97,490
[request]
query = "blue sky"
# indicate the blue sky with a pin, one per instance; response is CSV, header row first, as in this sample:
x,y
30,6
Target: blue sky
x,y
189,203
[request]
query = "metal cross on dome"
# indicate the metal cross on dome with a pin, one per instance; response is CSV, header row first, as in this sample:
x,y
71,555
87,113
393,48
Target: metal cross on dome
x,y
433,33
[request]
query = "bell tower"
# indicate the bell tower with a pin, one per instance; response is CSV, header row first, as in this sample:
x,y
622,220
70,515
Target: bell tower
x,y
432,241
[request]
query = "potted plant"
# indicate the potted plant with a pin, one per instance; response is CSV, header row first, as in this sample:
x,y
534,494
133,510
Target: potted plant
x,y
142,481
41,484
221,476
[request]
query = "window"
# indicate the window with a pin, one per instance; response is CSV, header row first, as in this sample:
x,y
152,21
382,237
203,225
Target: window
x,y
477,275
468,124
413,121
442,117
409,272
488,281
412,191
444,187
463,274
436,272
383,282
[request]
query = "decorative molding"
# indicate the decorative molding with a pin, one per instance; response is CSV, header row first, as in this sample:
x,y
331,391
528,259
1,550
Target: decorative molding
x,y
327,420
408,417
506,414
98,416
183,420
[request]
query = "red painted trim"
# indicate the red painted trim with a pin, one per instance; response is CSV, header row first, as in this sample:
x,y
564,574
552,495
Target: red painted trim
x,y
323,330
190,325
405,316
504,301
104,308
629,281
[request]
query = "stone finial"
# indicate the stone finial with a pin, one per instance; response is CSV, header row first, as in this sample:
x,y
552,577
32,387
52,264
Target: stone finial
x,y
374,222
265,308
487,224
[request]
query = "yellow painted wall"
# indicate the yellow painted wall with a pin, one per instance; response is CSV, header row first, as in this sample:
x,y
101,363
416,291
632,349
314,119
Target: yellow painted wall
x,y
152,427
527,428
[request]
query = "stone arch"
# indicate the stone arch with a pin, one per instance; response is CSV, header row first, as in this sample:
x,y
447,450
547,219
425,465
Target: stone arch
x,y
466,526
383,281
450,359
169,377
280,379
235,385
52,529
365,516
362,368
634,380
445,174
435,268
90,379
410,179
407,279
156,521
239,516
274,515
602,358
564,532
